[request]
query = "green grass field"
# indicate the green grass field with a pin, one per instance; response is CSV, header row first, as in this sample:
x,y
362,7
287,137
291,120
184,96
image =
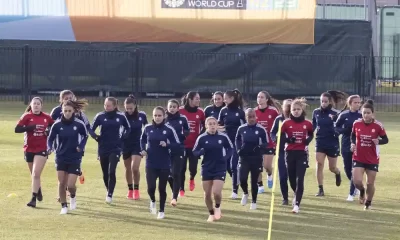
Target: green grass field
x,y
326,218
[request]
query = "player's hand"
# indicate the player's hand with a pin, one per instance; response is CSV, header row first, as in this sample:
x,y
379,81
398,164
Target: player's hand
x,y
143,153
352,147
163,144
49,151
292,140
78,149
376,141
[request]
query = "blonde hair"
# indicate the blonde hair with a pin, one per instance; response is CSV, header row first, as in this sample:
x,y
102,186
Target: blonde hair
x,y
300,102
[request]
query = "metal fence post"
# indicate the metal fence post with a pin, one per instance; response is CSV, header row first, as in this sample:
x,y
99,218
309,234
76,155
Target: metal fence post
x,y
26,68
136,68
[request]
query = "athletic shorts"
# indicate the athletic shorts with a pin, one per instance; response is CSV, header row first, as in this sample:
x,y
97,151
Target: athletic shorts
x,y
70,168
366,166
330,152
29,156
269,151
215,176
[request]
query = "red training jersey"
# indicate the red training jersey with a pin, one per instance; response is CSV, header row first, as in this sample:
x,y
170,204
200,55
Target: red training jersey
x,y
195,120
36,140
266,118
366,151
300,130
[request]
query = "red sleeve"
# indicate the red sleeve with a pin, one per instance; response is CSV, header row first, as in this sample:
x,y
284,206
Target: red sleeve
x,y
283,127
23,121
50,120
382,131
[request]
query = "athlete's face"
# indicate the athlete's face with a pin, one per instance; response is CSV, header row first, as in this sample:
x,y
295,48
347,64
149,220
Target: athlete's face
x,y
367,115
195,102
324,102
227,99
67,97
172,107
36,105
217,98
261,99
355,104
296,110
158,116
211,125
109,106
130,108
251,117
67,111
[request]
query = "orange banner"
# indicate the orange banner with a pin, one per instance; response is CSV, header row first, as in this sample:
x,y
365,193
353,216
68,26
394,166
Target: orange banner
x,y
200,21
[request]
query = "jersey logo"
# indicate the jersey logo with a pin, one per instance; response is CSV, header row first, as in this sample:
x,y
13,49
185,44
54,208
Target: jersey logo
x,y
45,120
164,132
290,127
237,114
269,116
212,112
373,130
256,132
31,120
75,128
180,122
117,119
244,132
346,119
206,142
219,141
61,129
304,126
151,131
105,119
197,116
140,119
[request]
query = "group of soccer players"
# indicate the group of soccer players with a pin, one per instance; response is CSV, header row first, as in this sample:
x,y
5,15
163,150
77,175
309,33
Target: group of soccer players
x,y
228,137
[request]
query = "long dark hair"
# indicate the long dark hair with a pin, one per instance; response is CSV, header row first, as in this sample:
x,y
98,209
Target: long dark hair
x,y
185,99
286,107
29,108
271,101
335,97
237,98
132,100
77,105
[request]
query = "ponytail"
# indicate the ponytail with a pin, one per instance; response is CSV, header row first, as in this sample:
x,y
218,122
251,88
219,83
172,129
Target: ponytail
x,y
237,98
334,97
132,100
271,101
185,99
349,101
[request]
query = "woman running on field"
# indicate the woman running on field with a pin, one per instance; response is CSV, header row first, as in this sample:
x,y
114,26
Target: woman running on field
x,y
366,136
131,146
195,116
298,133
344,125
216,149
34,124
266,111
67,138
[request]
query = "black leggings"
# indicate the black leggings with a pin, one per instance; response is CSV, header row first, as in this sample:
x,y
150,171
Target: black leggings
x,y
174,178
193,162
151,176
109,164
348,168
297,164
251,165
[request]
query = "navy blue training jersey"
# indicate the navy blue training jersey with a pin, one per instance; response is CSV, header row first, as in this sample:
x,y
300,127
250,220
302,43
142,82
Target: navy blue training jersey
x,y
133,138
323,121
216,149
250,137
274,132
232,119
159,157
64,138
212,111
344,125
180,124
114,127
